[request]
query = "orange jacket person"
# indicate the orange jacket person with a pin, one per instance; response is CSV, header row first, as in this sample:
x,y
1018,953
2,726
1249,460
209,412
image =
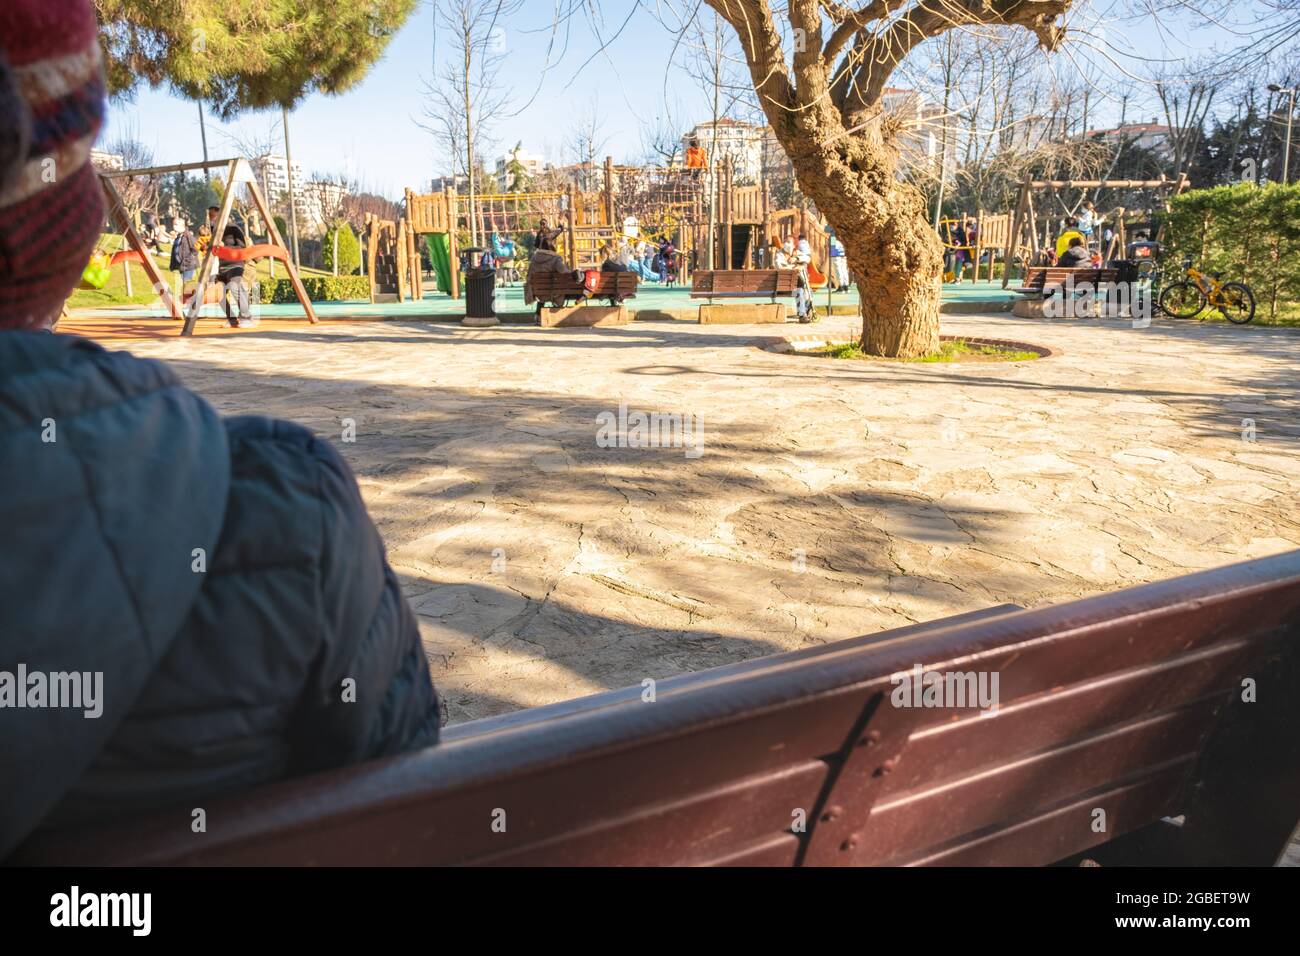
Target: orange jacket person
x,y
696,158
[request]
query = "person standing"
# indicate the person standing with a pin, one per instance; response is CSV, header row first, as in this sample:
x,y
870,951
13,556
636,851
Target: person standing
x,y
185,251
545,236
503,251
801,257
149,232
960,241
839,264
696,159
1088,221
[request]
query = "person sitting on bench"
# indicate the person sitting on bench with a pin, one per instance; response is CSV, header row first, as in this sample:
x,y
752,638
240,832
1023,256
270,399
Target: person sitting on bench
x,y
1076,256
1065,239
214,587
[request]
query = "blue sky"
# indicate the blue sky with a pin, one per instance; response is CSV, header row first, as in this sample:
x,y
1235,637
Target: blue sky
x,y
369,133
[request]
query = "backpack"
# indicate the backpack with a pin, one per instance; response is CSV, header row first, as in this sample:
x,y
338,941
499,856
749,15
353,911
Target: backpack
x,y
175,264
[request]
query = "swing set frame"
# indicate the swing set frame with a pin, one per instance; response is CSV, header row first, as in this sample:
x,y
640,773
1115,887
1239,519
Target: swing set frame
x,y
1024,228
238,172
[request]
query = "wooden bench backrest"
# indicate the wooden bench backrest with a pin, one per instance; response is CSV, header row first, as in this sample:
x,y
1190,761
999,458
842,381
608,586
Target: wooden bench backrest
x,y
553,282
620,284
745,281
1127,703
617,283
1037,277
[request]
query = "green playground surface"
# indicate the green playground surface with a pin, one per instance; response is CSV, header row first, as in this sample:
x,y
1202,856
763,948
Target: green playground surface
x,y
656,300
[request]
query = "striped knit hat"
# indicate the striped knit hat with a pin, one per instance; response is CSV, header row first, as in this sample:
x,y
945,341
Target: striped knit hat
x,y
51,109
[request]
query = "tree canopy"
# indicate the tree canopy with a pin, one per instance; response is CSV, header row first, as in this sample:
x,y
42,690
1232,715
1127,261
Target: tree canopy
x,y
245,54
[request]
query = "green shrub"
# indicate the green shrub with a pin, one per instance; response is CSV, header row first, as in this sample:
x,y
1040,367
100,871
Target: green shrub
x,y
1249,233
319,289
349,249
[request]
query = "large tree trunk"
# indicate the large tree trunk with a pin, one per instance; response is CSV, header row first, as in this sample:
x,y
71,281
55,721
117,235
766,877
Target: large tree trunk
x,y
883,224
899,283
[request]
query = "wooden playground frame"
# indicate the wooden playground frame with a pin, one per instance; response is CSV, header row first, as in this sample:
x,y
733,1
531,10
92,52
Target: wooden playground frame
x,y
238,172
992,234
386,240
589,220
1025,223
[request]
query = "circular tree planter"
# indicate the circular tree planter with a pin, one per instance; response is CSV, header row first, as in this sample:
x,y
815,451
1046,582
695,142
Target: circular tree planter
x,y
985,351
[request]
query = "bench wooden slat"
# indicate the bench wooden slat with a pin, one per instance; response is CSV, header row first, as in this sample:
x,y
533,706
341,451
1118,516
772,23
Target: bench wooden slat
x,y
747,815
1064,831
782,851
950,750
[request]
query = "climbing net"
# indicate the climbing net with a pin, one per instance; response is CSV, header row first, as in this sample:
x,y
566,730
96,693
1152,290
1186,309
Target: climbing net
x,y
515,214
662,200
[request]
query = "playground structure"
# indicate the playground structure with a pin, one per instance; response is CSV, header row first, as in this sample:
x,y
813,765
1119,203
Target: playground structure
x,y
640,202
1023,241
238,173
992,236
392,260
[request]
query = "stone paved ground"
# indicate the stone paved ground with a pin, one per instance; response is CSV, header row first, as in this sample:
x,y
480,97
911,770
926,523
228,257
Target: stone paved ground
x,y
833,499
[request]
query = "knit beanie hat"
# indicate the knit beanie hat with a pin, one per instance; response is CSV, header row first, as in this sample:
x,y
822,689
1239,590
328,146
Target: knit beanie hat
x,y
51,109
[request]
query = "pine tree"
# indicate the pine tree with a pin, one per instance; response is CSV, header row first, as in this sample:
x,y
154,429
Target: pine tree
x,y
245,54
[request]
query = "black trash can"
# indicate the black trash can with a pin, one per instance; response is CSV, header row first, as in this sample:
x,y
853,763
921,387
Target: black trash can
x,y
480,293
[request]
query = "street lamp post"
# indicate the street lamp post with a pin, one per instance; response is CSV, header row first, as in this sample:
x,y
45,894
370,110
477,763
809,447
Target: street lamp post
x,y
1290,115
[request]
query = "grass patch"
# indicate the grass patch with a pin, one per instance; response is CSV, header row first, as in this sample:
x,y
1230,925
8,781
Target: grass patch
x,y
956,350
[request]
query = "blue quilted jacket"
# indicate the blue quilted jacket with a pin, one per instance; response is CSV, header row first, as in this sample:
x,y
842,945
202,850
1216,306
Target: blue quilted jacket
x,y
222,575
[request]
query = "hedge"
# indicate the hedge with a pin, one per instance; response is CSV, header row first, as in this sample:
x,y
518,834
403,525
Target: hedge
x,y
1248,233
319,289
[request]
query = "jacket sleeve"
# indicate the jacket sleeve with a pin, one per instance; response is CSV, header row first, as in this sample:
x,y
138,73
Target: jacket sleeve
x,y
368,692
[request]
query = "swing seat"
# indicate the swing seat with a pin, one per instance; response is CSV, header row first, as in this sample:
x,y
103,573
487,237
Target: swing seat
x,y
264,251
125,255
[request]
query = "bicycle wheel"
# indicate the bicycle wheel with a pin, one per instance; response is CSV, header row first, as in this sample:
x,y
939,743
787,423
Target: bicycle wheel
x,y
1237,302
1182,300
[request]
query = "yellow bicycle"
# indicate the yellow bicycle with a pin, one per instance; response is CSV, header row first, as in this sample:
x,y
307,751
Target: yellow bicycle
x,y
1188,298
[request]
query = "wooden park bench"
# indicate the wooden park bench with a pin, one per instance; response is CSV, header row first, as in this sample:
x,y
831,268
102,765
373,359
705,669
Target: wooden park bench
x,y
1046,281
558,289
1120,735
743,283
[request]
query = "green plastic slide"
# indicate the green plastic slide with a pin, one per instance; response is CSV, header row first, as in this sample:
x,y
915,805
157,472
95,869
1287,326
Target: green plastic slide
x,y
440,256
